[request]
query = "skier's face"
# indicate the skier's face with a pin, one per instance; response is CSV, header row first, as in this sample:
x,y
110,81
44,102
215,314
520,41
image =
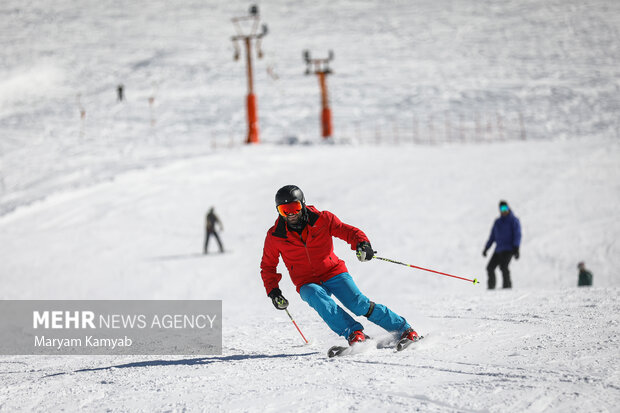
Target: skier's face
x,y
293,218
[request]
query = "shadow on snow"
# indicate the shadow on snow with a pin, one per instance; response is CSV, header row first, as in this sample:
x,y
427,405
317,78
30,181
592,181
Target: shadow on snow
x,y
187,362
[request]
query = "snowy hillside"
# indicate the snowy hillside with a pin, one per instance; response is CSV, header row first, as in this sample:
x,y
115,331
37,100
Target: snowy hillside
x,y
433,67
112,206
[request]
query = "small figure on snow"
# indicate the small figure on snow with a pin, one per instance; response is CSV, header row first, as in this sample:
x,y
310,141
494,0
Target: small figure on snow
x,y
120,92
210,221
585,276
506,234
302,235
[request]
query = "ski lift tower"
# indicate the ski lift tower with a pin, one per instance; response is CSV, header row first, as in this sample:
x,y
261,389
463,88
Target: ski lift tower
x,y
320,67
252,20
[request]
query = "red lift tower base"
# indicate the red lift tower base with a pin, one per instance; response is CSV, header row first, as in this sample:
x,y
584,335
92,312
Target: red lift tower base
x,y
326,122
252,119
321,69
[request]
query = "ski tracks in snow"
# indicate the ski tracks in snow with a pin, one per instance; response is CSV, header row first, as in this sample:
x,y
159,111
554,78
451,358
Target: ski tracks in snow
x,y
479,356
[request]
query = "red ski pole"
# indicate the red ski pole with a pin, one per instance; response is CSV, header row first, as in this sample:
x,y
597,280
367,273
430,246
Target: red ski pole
x,y
289,316
475,280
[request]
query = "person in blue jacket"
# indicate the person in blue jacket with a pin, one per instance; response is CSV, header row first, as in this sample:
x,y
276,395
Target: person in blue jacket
x,y
506,234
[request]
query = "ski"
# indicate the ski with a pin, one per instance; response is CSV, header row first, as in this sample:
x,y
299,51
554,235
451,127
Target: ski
x,y
336,351
400,345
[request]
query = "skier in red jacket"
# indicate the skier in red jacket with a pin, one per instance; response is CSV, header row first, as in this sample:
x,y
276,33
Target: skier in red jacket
x,y
302,235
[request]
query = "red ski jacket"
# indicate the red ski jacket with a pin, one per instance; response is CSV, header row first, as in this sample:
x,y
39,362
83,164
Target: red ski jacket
x,y
310,257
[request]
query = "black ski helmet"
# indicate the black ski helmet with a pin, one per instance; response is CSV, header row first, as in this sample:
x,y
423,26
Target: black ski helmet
x,y
290,193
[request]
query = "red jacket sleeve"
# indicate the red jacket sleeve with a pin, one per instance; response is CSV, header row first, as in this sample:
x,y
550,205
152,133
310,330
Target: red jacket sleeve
x,y
348,233
269,264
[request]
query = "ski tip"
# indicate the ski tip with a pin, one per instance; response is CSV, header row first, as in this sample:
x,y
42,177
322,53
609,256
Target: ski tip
x,y
476,281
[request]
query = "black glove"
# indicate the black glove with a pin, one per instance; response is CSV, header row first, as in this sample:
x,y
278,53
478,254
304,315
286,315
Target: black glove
x,y
484,252
515,252
277,299
364,251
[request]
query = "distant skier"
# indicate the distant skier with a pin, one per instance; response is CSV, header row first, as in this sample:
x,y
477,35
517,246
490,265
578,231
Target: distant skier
x,y
506,234
120,92
302,235
210,221
585,276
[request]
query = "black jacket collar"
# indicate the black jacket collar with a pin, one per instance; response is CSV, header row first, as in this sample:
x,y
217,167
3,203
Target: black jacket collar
x,y
280,231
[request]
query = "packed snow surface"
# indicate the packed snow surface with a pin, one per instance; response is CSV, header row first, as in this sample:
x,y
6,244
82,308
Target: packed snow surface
x,y
545,345
112,205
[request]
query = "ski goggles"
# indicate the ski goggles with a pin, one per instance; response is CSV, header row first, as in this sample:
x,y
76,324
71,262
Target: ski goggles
x,y
503,208
292,208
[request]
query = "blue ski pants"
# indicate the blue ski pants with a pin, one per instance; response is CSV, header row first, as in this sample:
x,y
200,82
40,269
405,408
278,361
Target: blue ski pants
x,y
342,286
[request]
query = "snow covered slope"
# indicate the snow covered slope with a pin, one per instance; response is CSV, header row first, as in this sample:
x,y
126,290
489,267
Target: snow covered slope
x,y
398,65
543,346
112,206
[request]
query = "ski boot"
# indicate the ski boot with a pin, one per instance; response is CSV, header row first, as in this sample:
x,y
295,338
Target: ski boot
x,y
357,336
408,337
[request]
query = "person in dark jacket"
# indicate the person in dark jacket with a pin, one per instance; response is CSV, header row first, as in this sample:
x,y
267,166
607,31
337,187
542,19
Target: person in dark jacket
x,y
302,236
585,276
506,234
210,221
